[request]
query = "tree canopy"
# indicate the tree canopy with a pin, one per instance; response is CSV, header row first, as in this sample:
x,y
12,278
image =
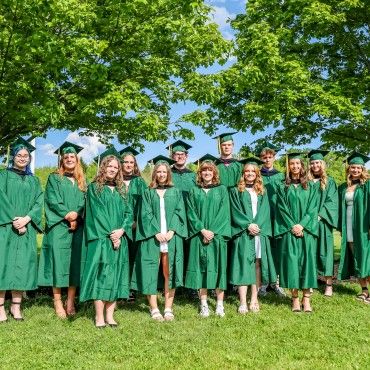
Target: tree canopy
x,y
301,69
109,67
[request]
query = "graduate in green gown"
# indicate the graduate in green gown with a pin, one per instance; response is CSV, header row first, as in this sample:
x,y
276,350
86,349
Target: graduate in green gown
x,y
272,178
182,177
228,167
135,186
296,230
160,233
108,227
251,259
209,229
328,216
354,224
20,220
60,256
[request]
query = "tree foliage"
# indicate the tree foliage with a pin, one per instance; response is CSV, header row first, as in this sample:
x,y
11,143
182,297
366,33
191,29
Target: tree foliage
x,y
302,70
109,67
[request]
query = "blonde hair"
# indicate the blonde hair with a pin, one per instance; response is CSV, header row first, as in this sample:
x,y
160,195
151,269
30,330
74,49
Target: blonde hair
x,y
100,177
363,178
154,184
78,173
322,173
258,182
136,171
207,165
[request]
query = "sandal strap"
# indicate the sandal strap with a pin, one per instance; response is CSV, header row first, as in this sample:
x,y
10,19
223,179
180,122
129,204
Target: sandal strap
x,y
13,303
306,296
364,288
168,310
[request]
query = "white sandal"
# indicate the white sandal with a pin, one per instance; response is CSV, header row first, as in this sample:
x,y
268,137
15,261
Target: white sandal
x,y
156,314
243,309
168,314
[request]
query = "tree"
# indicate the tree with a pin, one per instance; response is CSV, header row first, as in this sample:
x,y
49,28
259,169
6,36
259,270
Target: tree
x,y
302,69
109,67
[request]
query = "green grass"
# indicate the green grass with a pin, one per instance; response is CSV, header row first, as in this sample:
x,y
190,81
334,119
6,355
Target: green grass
x,y
335,336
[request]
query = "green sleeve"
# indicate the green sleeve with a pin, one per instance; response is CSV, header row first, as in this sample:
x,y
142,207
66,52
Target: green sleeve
x,y
6,210
283,218
35,209
329,208
241,217
195,224
220,222
263,219
147,224
178,222
310,220
128,218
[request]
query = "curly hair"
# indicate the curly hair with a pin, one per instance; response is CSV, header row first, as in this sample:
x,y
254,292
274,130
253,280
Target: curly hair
x,y
258,182
322,173
363,178
78,173
100,178
136,171
154,183
207,165
302,176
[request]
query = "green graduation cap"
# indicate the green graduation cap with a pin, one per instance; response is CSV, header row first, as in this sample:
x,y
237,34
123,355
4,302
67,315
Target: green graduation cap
x,y
317,154
264,145
21,143
206,158
295,155
128,150
357,158
110,151
251,160
68,147
178,146
162,159
226,136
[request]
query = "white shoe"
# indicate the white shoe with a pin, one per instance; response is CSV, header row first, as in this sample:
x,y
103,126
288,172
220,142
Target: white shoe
x,y
204,311
220,311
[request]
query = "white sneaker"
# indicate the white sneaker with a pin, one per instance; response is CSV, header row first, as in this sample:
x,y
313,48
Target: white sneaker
x,y
220,311
204,311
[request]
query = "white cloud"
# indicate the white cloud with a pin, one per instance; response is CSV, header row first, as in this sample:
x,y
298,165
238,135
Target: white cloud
x,y
91,144
47,149
222,17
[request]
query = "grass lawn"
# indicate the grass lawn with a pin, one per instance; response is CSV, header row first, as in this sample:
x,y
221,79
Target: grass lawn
x,y
336,335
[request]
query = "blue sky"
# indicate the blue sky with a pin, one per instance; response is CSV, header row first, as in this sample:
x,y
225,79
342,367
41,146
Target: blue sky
x,y
224,10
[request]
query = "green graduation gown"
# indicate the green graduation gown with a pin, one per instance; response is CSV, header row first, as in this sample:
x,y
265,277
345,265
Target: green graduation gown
x,y
271,181
136,188
208,262
105,270
60,257
20,195
328,220
356,263
229,173
243,254
147,276
183,180
297,265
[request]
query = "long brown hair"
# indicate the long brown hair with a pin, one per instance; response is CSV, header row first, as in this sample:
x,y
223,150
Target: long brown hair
x,y
302,176
258,182
100,177
322,173
208,165
136,171
78,172
154,184
364,176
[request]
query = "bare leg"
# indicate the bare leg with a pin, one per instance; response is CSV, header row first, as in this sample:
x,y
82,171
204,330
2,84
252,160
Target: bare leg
x,y
58,304
243,308
109,311
306,301
296,306
99,313
2,309
220,295
152,299
329,286
169,294
70,304
258,272
15,307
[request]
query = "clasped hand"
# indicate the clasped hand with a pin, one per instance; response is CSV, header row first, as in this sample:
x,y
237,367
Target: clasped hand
x,y
163,238
297,230
72,217
208,235
19,223
254,229
115,237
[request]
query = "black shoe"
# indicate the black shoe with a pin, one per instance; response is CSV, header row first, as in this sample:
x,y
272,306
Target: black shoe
x,y
11,313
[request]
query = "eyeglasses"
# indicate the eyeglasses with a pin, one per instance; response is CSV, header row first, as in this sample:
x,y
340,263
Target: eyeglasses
x,y
179,154
26,156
